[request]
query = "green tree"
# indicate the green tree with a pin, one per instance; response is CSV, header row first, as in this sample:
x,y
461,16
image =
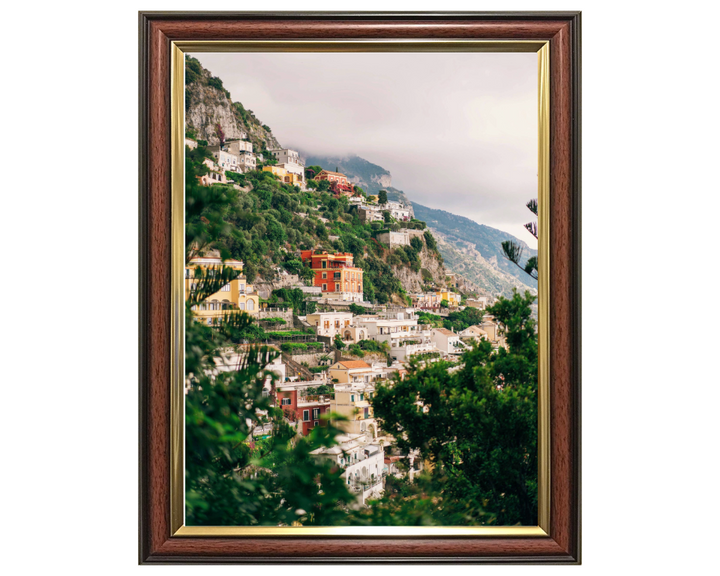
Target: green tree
x,y
382,197
339,344
356,309
429,240
231,477
478,425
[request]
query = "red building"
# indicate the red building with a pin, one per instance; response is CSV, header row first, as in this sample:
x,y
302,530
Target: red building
x,y
300,406
338,182
335,274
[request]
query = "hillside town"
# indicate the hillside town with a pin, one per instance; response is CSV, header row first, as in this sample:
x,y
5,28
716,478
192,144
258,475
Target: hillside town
x,y
323,331
329,361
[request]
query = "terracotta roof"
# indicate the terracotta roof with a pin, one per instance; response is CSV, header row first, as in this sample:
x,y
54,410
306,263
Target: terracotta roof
x,y
331,172
445,331
354,364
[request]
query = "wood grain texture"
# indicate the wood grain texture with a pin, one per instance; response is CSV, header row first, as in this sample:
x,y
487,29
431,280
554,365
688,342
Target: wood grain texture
x,y
156,32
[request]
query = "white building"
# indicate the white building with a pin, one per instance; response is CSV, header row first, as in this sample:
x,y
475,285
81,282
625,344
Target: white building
x,y
294,169
290,160
216,175
287,156
447,341
400,238
370,214
397,313
397,210
226,160
480,302
247,162
329,323
405,337
238,147
362,462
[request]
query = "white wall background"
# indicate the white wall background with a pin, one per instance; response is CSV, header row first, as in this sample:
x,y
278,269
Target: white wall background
x,y
650,388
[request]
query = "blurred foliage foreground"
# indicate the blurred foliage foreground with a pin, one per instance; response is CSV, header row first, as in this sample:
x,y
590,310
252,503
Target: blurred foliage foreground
x,y
475,426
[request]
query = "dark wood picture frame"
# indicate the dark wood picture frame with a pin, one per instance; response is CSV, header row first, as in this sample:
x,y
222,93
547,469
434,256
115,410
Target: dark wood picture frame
x,y
157,31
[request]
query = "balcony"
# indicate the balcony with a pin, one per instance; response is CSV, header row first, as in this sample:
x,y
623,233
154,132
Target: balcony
x,y
417,348
367,483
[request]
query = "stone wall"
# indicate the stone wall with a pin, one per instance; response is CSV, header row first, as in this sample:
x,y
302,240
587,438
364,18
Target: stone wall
x,y
311,359
286,315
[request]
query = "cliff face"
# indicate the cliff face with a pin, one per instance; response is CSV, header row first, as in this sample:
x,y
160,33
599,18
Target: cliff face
x,y
473,242
208,104
413,281
463,258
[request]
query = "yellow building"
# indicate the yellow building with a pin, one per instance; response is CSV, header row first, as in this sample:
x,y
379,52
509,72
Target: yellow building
x,y
236,295
285,176
353,402
452,298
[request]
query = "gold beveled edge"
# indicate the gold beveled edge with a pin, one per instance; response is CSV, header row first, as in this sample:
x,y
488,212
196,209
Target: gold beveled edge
x,y
177,264
361,45
544,287
177,419
360,531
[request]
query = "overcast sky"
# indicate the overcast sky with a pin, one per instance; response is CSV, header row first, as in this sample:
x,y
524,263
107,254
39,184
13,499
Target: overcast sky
x,y
458,132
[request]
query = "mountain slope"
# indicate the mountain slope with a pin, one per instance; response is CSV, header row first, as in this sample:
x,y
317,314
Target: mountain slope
x,y
459,231
468,248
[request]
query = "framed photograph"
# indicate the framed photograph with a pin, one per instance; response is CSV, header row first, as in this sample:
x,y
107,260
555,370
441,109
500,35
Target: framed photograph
x,y
360,287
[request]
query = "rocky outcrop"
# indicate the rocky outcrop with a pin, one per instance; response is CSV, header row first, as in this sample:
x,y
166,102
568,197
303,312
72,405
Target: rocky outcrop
x,y
412,281
209,105
208,108
463,258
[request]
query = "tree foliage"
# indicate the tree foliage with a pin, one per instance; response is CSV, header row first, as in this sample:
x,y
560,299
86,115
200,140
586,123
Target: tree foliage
x,y
477,426
513,251
231,476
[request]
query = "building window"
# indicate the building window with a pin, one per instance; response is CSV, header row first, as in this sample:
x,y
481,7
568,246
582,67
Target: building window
x,y
251,305
316,413
324,287
324,264
324,274
225,288
306,415
286,401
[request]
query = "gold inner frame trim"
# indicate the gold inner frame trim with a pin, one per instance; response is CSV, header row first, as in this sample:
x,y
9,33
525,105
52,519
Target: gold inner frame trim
x,y
177,316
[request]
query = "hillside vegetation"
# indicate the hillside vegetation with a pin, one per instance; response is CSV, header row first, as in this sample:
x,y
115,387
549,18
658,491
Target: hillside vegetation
x,y
268,222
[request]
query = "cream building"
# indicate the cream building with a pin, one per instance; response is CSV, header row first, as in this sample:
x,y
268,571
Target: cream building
x,y
447,341
329,323
235,295
353,402
226,160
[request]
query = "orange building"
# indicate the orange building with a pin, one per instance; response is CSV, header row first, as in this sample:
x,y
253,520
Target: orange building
x,y
335,274
338,182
